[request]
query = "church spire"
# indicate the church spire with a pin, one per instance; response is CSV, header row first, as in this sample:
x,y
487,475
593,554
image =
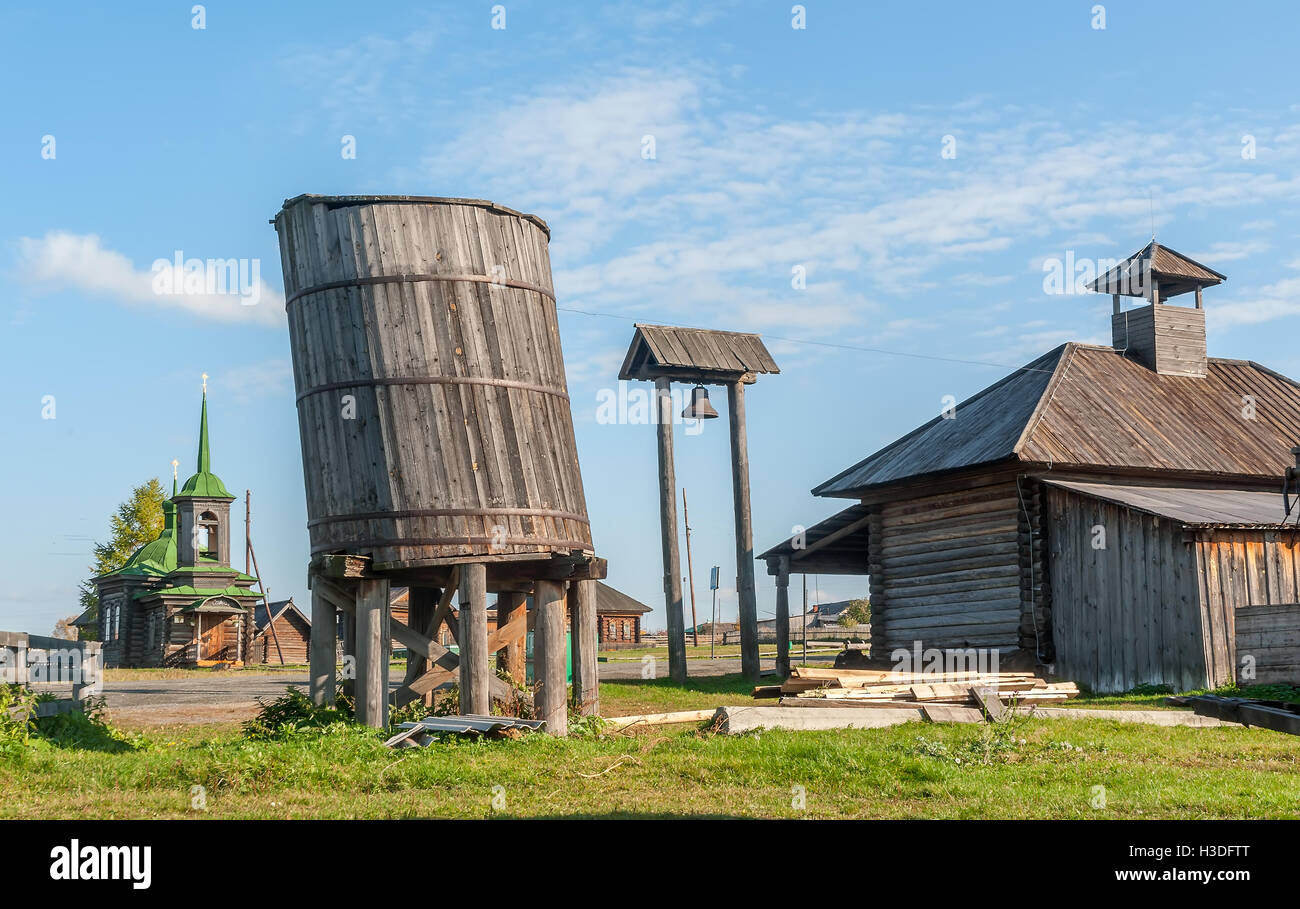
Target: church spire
x,y
205,483
205,454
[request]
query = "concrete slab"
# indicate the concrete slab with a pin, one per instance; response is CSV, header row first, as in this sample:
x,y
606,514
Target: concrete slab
x,y
745,719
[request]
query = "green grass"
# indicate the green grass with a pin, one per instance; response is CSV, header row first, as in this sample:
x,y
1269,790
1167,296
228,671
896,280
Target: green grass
x,y
1032,769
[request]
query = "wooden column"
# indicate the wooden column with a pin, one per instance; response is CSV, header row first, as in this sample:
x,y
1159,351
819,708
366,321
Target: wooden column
x,y
550,695
668,532
374,643
350,650
513,657
783,617
472,636
749,665
422,605
582,622
324,627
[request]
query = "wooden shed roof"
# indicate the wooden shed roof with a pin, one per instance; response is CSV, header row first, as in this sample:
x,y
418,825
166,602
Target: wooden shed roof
x,y
1191,506
1088,407
836,545
690,353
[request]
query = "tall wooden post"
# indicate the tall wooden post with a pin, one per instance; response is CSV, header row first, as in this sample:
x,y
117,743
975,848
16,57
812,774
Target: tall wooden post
x,y
475,665
422,605
513,657
749,665
550,694
324,627
783,617
582,622
373,641
668,532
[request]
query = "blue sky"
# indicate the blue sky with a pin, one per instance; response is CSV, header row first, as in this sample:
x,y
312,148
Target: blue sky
x,y
775,148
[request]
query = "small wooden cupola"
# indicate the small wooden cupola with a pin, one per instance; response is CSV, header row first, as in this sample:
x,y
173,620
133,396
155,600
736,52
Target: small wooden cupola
x,y
1166,338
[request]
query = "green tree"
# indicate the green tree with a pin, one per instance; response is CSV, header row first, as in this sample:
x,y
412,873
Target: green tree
x,y
137,521
858,612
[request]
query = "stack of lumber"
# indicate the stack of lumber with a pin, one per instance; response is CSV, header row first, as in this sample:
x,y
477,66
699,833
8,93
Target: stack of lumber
x,y
885,688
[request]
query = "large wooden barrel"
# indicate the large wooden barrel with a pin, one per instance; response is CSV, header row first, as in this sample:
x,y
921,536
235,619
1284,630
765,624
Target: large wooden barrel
x,y
432,401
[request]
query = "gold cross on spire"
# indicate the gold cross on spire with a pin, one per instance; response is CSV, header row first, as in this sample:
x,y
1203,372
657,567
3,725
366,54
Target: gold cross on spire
x,y
205,383
175,464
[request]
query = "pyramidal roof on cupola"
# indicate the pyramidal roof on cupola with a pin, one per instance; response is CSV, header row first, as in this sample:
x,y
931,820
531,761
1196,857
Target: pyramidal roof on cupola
x,y
205,484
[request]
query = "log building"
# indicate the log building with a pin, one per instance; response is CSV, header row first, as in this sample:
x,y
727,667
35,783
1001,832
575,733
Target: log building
x,y
1104,510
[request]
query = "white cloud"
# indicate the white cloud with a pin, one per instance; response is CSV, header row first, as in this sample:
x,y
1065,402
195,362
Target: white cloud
x,y
67,261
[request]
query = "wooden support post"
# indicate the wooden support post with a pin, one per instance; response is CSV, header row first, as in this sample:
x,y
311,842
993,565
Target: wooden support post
x,y
783,617
749,665
349,632
475,661
668,532
582,625
513,657
373,643
1115,303
324,625
1198,298
550,697
422,604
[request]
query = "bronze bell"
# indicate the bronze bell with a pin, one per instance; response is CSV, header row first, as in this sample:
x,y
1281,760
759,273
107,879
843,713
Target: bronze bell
x,y
699,408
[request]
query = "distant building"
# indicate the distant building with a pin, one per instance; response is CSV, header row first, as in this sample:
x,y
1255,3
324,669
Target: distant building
x,y
290,639
618,616
177,601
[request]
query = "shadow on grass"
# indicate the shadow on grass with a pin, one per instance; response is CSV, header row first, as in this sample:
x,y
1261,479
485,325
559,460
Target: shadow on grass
x,y
81,732
732,683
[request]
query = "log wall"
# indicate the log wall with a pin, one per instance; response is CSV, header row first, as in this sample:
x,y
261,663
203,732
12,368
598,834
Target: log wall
x,y
945,570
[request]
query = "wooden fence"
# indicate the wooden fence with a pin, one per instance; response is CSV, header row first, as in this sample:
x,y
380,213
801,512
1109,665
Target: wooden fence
x,y
52,665
1268,643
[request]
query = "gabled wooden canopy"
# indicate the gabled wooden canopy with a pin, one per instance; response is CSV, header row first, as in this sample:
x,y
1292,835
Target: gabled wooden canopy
x,y
695,355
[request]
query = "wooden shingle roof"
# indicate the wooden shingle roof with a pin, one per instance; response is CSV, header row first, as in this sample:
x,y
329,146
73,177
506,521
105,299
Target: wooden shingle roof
x,y
694,353
1088,407
609,600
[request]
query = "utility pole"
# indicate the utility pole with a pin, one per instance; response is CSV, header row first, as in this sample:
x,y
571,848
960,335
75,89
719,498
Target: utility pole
x,y
713,629
690,572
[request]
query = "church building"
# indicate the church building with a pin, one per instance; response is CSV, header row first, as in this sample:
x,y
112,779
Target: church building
x,y
177,601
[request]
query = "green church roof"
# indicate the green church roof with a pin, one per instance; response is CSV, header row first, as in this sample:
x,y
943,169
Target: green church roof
x,y
188,591
205,484
158,557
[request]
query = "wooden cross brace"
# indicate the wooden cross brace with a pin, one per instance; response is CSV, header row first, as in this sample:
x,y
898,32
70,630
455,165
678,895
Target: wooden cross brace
x,y
446,664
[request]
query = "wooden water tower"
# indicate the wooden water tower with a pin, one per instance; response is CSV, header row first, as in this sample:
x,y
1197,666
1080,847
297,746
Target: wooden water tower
x,y
438,446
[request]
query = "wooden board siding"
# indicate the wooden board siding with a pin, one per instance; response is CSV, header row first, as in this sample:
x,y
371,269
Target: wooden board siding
x,y
1271,635
1241,568
1168,339
1128,614
462,418
947,571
